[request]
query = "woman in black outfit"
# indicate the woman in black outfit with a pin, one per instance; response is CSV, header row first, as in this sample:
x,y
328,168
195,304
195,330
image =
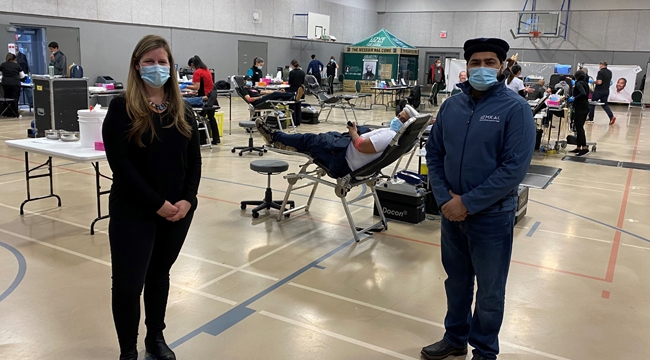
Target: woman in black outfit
x,y
580,112
12,74
331,74
296,81
152,147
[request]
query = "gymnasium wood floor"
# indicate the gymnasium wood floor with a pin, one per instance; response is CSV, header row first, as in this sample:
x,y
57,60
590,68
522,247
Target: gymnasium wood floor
x,y
248,288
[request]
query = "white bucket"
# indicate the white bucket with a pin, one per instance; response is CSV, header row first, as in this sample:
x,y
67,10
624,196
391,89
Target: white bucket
x,y
90,127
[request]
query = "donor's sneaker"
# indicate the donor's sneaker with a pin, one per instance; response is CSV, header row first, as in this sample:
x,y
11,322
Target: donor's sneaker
x,y
442,350
265,131
300,92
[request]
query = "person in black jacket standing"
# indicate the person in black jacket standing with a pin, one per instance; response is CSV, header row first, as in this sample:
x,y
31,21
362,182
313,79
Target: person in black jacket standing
x,y
296,81
331,74
580,111
152,146
12,74
437,78
601,93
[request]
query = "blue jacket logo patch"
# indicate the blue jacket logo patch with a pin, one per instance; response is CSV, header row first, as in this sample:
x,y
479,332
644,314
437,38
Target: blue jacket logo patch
x,y
490,118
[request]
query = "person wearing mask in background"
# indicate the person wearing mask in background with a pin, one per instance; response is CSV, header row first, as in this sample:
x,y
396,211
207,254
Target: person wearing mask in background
x,y
24,64
58,59
475,166
297,85
315,68
152,146
331,74
12,74
580,100
601,93
256,97
255,72
515,84
436,76
202,83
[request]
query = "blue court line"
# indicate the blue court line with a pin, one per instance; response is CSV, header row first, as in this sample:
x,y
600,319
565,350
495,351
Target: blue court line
x,y
279,191
242,311
533,229
320,267
593,220
22,269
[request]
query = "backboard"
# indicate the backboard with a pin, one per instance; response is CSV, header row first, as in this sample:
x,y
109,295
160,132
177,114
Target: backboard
x,y
544,22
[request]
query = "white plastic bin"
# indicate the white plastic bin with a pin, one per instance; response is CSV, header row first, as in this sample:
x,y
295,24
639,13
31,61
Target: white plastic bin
x,y
90,127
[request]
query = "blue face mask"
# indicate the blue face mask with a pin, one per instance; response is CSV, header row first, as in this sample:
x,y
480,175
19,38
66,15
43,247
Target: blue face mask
x,y
483,78
154,75
249,83
259,67
396,124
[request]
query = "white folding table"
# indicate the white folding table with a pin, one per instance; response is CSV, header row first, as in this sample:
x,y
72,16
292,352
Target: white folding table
x,y
71,151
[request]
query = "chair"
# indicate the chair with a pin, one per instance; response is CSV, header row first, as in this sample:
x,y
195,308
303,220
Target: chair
x,y
455,91
201,113
359,94
263,110
330,101
268,167
250,128
637,98
429,97
405,141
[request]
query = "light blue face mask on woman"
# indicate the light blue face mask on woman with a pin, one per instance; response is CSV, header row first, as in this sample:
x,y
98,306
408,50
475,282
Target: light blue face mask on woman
x,y
396,124
249,83
483,78
154,75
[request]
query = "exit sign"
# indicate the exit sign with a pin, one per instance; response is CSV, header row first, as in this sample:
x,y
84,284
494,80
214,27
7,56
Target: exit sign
x,y
443,34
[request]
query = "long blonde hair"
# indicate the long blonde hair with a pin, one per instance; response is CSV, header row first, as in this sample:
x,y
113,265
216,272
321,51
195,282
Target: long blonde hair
x,y
137,104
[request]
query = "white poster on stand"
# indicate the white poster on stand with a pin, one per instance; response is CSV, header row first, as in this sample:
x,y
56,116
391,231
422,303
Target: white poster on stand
x,y
454,67
623,79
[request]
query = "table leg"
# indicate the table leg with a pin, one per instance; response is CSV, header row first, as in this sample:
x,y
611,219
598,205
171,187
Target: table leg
x,y
28,177
98,188
230,115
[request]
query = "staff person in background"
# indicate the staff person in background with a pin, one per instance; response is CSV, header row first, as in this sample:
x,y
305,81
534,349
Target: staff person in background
x,y
12,74
475,166
255,72
315,68
515,84
580,101
601,93
203,85
58,59
620,95
538,90
331,74
152,147
297,85
437,78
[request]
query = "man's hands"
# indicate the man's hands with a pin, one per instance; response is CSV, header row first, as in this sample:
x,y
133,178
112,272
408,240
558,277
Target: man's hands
x,y
454,209
174,212
352,128
529,89
52,57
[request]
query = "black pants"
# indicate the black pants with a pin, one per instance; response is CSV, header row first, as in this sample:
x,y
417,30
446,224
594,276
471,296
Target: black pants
x,y
318,78
436,90
580,114
277,95
142,253
330,86
214,128
11,92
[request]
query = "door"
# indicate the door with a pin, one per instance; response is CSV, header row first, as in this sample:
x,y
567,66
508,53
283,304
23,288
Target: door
x,y
248,51
431,59
31,42
68,40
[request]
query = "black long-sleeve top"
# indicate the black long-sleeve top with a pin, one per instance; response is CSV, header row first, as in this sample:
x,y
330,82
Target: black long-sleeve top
x,y
296,79
581,94
167,168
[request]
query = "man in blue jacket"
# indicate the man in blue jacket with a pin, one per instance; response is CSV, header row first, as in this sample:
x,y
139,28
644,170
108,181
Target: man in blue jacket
x,y
316,68
478,152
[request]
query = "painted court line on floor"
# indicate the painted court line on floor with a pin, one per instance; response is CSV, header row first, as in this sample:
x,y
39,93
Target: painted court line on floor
x,y
20,273
533,229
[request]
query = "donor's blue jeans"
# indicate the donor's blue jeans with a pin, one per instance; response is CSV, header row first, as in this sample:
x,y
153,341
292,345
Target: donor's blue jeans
x,y
478,248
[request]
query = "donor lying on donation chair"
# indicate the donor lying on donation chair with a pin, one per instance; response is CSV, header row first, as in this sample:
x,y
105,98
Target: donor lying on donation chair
x,y
341,153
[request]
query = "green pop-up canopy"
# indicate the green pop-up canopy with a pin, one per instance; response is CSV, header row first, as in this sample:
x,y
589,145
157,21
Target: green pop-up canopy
x,y
382,41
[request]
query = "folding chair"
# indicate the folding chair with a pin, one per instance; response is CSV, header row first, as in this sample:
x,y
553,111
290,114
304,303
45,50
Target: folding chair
x,y
330,101
405,141
202,120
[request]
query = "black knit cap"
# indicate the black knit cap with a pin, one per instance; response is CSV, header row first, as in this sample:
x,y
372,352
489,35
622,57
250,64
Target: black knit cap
x,y
497,46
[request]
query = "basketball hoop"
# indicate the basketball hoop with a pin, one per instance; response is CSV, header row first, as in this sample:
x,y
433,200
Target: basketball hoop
x,y
534,36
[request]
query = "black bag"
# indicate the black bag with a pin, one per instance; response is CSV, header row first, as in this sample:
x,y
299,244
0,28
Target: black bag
x,y
309,116
222,85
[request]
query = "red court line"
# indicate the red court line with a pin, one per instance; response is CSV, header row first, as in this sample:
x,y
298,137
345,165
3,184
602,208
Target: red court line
x,y
616,244
36,162
385,234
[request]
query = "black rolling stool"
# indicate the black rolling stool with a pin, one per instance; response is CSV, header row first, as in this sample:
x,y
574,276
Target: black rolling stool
x,y
249,126
268,167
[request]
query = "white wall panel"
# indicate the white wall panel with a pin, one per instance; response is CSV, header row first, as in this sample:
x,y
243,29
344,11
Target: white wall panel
x,y
488,24
464,27
282,19
442,22
79,9
337,23
643,32
203,19
621,30
114,10
146,12
6,5
176,13
244,16
420,31
268,17
36,7
592,31
224,15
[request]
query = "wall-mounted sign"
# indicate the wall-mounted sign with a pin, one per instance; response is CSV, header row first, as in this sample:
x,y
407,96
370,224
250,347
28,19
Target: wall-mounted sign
x,y
443,34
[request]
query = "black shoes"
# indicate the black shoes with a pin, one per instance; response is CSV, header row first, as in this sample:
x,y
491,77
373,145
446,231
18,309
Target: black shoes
x,y
264,130
478,357
582,152
442,350
157,347
129,355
